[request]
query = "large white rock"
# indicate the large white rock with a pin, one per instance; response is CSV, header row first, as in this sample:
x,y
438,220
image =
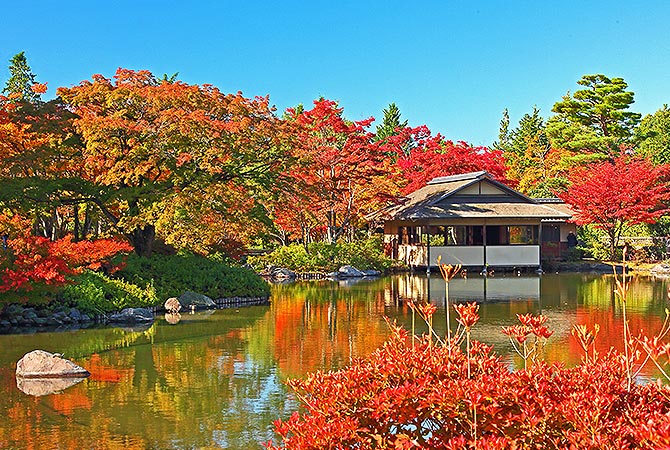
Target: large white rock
x,y
172,305
193,300
41,364
132,315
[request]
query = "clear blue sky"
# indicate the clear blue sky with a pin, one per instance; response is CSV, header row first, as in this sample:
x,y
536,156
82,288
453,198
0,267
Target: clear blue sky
x,y
452,65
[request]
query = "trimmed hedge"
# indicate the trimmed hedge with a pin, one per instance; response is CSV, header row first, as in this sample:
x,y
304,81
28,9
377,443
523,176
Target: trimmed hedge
x,y
171,275
324,257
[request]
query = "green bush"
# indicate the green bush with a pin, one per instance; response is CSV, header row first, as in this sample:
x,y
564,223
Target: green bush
x,y
95,293
172,275
324,257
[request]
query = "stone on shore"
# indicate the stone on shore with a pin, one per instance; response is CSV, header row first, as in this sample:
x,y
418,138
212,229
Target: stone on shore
x,y
282,274
193,300
42,364
350,272
132,315
172,305
661,269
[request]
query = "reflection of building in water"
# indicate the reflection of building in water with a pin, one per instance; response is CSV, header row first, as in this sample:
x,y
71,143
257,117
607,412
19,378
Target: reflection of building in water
x,y
421,287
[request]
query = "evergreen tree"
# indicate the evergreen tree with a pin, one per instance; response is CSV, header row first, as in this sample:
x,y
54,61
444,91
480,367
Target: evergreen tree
x,y
595,120
503,134
21,80
537,169
653,136
390,124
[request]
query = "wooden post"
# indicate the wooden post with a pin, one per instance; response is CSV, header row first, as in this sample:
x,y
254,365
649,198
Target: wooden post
x,y
428,248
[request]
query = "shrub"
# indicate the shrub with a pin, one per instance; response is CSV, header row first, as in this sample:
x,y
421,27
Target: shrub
x,y
419,395
95,293
172,275
324,257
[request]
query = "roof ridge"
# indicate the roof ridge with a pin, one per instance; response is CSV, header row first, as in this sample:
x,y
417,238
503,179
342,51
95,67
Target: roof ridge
x,y
460,177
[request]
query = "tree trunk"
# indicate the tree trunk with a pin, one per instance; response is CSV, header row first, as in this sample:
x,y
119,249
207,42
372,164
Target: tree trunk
x,y
77,226
88,222
142,240
613,243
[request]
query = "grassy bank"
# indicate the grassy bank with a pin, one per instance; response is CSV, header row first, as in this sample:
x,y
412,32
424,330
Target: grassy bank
x,y
150,281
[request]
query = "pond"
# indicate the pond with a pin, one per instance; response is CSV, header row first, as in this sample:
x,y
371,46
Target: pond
x,y
216,379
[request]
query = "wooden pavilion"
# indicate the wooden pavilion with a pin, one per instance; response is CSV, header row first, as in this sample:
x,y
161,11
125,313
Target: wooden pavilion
x,y
473,220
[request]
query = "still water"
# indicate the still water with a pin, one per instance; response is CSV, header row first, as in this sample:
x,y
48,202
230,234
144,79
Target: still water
x,y
216,379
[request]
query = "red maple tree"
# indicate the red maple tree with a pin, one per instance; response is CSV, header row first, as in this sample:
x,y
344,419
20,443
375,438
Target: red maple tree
x,y
422,157
341,172
613,195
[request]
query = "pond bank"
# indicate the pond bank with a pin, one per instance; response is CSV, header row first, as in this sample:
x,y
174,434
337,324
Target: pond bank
x,y
15,318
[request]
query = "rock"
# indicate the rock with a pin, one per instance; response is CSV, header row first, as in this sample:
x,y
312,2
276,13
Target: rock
x,y
132,315
41,364
29,314
38,387
371,273
172,305
53,321
75,315
350,272
281,274
661,269
193,300
13,311
333,275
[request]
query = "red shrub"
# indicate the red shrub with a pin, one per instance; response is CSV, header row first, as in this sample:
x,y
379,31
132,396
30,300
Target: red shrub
x,y
31,261
404,396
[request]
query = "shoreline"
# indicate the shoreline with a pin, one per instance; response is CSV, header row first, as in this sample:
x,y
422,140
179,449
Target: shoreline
x,y
27,319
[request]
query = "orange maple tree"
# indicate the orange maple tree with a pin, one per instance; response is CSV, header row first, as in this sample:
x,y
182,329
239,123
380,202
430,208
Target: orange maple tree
x,y
151,142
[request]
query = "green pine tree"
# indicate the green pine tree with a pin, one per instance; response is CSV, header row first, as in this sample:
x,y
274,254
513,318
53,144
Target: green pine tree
x,y
390,124
21,79
595,120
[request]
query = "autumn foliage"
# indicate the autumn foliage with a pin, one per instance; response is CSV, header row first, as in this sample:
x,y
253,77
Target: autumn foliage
x,y
407,396
613,195
434,156
32,261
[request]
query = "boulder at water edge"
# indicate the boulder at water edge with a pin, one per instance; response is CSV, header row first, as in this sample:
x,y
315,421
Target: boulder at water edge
x,y
41,364
350,272
661,269
172,305
193,300
132,315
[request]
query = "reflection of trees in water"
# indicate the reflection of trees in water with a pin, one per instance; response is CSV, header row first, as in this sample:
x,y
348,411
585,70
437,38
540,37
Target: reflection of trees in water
x,y
325,324
217,381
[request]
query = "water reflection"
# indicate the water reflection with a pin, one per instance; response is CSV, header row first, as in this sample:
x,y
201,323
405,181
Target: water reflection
x,y
217,380
38,387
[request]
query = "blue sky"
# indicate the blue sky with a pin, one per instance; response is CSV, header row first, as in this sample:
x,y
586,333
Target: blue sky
x,y
452,65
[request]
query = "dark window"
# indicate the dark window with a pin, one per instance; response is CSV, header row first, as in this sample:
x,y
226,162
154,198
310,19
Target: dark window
x,y
551,233
496,235
463,235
